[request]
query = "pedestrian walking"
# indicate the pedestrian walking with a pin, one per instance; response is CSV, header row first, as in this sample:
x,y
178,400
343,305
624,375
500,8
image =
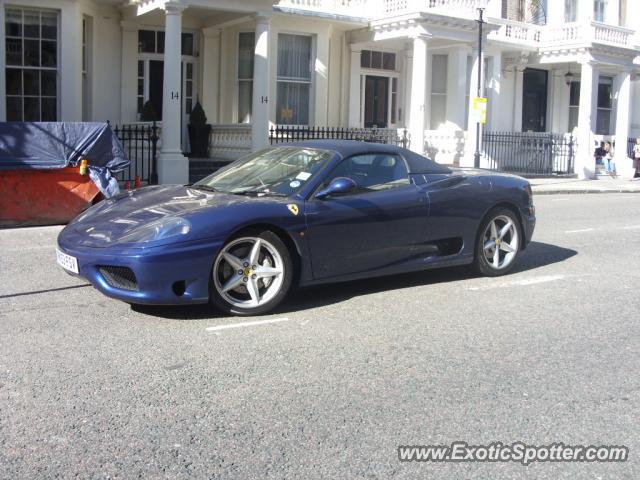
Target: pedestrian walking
x,y
636,159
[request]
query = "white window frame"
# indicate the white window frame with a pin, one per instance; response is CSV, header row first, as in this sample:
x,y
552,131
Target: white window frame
x,y
312,69
604,80
236,96
600,10
433,94
574,107
24,9
390,75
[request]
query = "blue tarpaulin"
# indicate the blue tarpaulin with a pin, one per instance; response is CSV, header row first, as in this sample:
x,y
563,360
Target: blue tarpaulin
x,y
49,145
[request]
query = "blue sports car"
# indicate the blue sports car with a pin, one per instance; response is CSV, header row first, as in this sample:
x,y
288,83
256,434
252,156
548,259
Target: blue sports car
x,y
297,214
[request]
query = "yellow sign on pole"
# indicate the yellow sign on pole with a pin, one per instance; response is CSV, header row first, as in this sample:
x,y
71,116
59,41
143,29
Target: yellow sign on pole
x,y
480,109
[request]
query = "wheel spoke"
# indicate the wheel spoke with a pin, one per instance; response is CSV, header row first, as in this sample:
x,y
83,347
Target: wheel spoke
x,y
232,260
252,287
496,258
234,281
494,230
505,247
505,229
255,252
490,244
266,272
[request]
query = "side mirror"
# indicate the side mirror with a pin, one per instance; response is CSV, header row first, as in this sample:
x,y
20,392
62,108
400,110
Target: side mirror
x,y
338,186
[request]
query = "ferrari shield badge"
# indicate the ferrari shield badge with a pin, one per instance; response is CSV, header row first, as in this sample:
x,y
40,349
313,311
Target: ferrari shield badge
x,y
293,208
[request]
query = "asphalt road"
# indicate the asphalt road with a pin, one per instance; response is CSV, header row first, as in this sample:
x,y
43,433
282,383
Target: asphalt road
x,y
91,388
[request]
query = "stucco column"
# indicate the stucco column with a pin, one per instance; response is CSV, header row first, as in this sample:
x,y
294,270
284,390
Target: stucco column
x,y
70,64
623,116
211,73
584,162
472,131
354,88
517,98
261,84
129,73
321,76
457,88
418,94
173,167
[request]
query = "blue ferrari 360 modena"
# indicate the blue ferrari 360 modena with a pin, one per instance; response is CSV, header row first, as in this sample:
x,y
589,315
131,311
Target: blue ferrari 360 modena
x,y
300,213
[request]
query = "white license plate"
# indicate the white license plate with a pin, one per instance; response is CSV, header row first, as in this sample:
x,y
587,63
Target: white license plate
x,y
67,261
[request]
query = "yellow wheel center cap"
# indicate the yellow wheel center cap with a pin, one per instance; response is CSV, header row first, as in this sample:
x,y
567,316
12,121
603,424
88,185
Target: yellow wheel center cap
x,y
248,272
498,241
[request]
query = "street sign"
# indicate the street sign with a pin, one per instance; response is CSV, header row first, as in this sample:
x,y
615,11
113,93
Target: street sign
x,y
480,109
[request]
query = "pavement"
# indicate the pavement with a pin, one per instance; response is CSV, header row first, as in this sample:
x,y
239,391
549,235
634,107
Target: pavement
x,y
332,382
601,184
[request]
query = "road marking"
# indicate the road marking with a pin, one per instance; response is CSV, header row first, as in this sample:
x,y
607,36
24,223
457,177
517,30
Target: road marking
x,y
581,230
246,324
560,200
631,227
520,283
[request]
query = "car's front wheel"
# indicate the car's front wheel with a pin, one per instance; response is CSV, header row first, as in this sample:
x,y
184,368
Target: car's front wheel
x,y
498,243
251,274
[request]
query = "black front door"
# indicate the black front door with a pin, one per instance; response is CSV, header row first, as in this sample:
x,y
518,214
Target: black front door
x,y
156,76
534,100
376,101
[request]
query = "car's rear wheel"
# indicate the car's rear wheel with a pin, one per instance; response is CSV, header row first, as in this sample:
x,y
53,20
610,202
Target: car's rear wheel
x,y
498,243
252,274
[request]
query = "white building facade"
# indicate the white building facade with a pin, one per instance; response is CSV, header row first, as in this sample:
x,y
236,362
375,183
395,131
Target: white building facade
x,y
565,67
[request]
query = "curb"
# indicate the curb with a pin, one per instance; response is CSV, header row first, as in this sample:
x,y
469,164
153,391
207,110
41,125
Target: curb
x,y
582,191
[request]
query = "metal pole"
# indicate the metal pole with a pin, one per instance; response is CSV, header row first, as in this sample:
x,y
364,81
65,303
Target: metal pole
x,y
476,156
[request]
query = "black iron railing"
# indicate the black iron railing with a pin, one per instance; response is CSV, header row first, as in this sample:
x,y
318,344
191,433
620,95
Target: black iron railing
x,y
529,153
288,133
140,142
630,144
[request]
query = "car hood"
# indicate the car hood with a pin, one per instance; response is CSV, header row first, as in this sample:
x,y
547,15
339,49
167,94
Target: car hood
x,y
122,218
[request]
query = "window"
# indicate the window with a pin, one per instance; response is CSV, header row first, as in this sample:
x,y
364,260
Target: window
x,y
372,172
141,76
188,87
294,79
152,41
394,100
246,50
599,8
31,72
605,106
570,10
378,60
574,105
438,90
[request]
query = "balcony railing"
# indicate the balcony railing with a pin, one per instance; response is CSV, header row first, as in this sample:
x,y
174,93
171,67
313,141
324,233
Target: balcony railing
x,y
455,8
365,9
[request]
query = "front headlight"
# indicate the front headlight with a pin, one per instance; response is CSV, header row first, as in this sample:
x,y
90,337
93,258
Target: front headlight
x,y
158,230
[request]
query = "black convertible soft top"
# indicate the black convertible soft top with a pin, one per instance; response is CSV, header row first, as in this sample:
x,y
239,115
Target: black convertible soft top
x,y
346,148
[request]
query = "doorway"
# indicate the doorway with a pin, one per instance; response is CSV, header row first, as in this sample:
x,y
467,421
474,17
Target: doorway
x,y
376,101
534,100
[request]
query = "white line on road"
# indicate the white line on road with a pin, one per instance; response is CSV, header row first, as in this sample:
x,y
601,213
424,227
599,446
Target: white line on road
x,y
581,230
560,200
246,324
520,283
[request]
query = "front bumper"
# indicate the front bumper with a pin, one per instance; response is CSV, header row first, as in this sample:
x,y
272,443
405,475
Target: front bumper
x,y
158,271
528,223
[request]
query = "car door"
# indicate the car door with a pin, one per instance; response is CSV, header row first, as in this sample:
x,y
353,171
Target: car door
x,y
373,227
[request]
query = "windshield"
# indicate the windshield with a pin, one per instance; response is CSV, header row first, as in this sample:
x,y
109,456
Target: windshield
x,y
275,171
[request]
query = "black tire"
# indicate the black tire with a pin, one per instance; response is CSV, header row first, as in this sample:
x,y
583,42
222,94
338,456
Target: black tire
x,y
275,252
512,239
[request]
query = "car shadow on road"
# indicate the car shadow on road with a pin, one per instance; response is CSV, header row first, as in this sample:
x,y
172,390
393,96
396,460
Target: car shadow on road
x,y
536,255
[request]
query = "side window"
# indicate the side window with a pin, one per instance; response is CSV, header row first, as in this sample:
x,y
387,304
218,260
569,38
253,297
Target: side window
x,y
372,172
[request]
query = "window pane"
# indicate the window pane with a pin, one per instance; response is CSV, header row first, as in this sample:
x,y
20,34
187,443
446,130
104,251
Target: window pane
x,y
189,89
376,59
603,126
245,97
14,51
389,61
31,25
574,95
31,82
187,44
50,26
49,54
439,74
188,106
573,117
365,59
604,95
14,81
49,83
32,53
160,42
14,23
438,110
246,42
141,68
189,71
14,109
49,110
140,104
294,56
147,41
293,103
31,109
140,86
